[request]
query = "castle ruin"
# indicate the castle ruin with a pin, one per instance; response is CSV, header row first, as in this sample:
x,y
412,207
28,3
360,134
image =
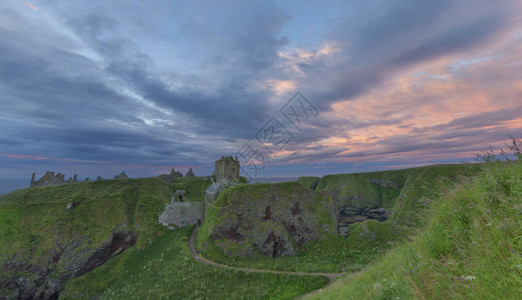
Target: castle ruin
x,y
227,167
175,174
190,174
50,178
181,212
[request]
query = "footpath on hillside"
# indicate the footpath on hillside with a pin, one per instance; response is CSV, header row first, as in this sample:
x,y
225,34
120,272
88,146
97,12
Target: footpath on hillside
x,y
331,276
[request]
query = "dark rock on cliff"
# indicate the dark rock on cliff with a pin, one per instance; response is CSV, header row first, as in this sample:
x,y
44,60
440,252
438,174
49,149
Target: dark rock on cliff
x,y
119,241
272,219
36,282
349,216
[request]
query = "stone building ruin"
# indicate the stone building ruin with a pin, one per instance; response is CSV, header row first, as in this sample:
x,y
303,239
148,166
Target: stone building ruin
x,y
227,167
183,212
175,174
190,174
122,175
50,178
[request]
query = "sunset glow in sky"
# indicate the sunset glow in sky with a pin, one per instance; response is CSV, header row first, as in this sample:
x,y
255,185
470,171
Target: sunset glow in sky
x,y
97,87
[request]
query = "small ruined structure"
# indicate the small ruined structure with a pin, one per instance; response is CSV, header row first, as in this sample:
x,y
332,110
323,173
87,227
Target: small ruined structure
x,y
50,178
190,174
227,167
99,178
181,212
175,174
122,175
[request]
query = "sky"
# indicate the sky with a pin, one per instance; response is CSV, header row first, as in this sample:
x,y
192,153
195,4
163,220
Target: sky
x,y
97,87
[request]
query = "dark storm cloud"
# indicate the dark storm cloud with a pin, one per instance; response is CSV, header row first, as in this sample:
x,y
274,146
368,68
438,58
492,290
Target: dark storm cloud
x,y
99,86
381,40
486,119
55,102
463,37
231,110
66,96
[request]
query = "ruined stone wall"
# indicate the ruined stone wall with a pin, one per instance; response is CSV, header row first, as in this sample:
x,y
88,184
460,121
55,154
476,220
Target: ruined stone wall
x,y
183,214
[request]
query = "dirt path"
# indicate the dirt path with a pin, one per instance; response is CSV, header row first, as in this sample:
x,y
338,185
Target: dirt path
x,y
200,258
415,287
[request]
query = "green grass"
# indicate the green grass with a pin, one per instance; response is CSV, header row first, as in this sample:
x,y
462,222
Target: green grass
x,y
449,237
194,187
329,254
35,225
166,270
470,249
35,219
309,181
409,193
423,186
357,190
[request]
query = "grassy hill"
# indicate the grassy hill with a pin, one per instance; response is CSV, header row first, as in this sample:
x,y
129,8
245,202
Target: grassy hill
x,y
302,220
471,247
454,232
44,246
407,193
166,270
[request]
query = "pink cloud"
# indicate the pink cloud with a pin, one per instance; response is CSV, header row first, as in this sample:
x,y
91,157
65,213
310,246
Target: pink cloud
x,y
452,107
18,156
30,5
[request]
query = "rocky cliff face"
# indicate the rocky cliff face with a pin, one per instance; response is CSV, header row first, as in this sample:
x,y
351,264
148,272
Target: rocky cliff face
x,y
272,219
361,197
32,281
49,235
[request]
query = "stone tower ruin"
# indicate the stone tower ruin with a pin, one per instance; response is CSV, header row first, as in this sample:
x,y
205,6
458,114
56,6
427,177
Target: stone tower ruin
x,y
227,167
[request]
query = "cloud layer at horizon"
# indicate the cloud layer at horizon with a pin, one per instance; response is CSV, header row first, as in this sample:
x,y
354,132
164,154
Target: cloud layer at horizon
x,y
97,87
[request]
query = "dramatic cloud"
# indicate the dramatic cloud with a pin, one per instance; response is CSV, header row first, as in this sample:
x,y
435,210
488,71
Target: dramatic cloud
x,y
100,86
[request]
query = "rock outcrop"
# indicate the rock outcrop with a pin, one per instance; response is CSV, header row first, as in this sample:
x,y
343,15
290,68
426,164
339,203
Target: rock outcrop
x,y
34,282
349,216
272,219
363,196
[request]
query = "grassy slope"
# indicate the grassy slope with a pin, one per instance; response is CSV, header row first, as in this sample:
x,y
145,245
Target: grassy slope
x,y
166,270
309,181
408,193
410,197
35,224
470,249
356,190
34,220
326,255
473,232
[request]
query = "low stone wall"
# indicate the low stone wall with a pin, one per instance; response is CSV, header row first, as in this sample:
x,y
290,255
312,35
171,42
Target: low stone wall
x,y
183,214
